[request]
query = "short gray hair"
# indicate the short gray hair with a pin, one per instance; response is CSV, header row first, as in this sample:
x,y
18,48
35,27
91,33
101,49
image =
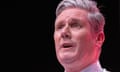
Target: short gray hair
x,y
95,17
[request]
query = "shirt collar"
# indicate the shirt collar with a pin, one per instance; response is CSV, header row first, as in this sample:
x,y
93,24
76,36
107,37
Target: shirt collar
x,y
95,67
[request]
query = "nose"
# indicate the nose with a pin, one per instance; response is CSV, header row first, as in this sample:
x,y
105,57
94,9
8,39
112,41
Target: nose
x,y
66,34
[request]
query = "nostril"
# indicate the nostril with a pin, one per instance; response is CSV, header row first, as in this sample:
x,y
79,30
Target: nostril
x,y
66,35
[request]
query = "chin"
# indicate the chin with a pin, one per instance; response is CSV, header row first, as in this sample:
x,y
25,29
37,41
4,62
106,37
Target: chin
x,y
67,57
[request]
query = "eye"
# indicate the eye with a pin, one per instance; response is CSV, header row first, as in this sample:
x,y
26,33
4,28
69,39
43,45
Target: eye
x,y
75,25
60,26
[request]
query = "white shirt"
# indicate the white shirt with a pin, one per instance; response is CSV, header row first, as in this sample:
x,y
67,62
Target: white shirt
x,y
95,67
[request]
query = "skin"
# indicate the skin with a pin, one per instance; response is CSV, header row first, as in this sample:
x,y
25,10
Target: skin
x,y
72,28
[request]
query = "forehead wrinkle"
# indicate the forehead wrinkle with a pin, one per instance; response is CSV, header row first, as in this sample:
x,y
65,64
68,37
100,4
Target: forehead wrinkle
x,y
63,20
74,12
67,14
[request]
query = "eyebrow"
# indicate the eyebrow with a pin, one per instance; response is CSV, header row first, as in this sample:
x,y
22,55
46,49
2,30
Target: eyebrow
x,y
74,20
69,21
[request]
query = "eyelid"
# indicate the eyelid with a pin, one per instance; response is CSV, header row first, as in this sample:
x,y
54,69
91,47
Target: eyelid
x,y
76,24
59,26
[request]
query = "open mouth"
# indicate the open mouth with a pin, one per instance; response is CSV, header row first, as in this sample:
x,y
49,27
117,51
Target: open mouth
x,y
67,45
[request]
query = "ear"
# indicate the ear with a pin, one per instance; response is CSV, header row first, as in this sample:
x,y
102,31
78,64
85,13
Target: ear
x,y
100,39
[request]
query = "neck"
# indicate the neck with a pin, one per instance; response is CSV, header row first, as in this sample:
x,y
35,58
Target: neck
x,y
92,66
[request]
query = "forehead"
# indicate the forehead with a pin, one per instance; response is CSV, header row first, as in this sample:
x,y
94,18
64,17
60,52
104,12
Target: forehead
x,y
72,13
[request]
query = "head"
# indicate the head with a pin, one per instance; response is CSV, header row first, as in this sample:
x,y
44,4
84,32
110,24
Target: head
x,y
78,33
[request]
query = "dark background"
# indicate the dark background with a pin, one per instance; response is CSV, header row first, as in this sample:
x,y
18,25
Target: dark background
x,y
35,20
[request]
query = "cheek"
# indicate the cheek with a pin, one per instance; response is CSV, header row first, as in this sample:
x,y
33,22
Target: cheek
x,y
56,39
81,37
84,40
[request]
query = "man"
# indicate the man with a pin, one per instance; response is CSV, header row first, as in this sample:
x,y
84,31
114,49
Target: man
x,y
79,35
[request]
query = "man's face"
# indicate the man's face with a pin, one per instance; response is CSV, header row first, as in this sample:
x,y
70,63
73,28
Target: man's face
x,y
74,38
